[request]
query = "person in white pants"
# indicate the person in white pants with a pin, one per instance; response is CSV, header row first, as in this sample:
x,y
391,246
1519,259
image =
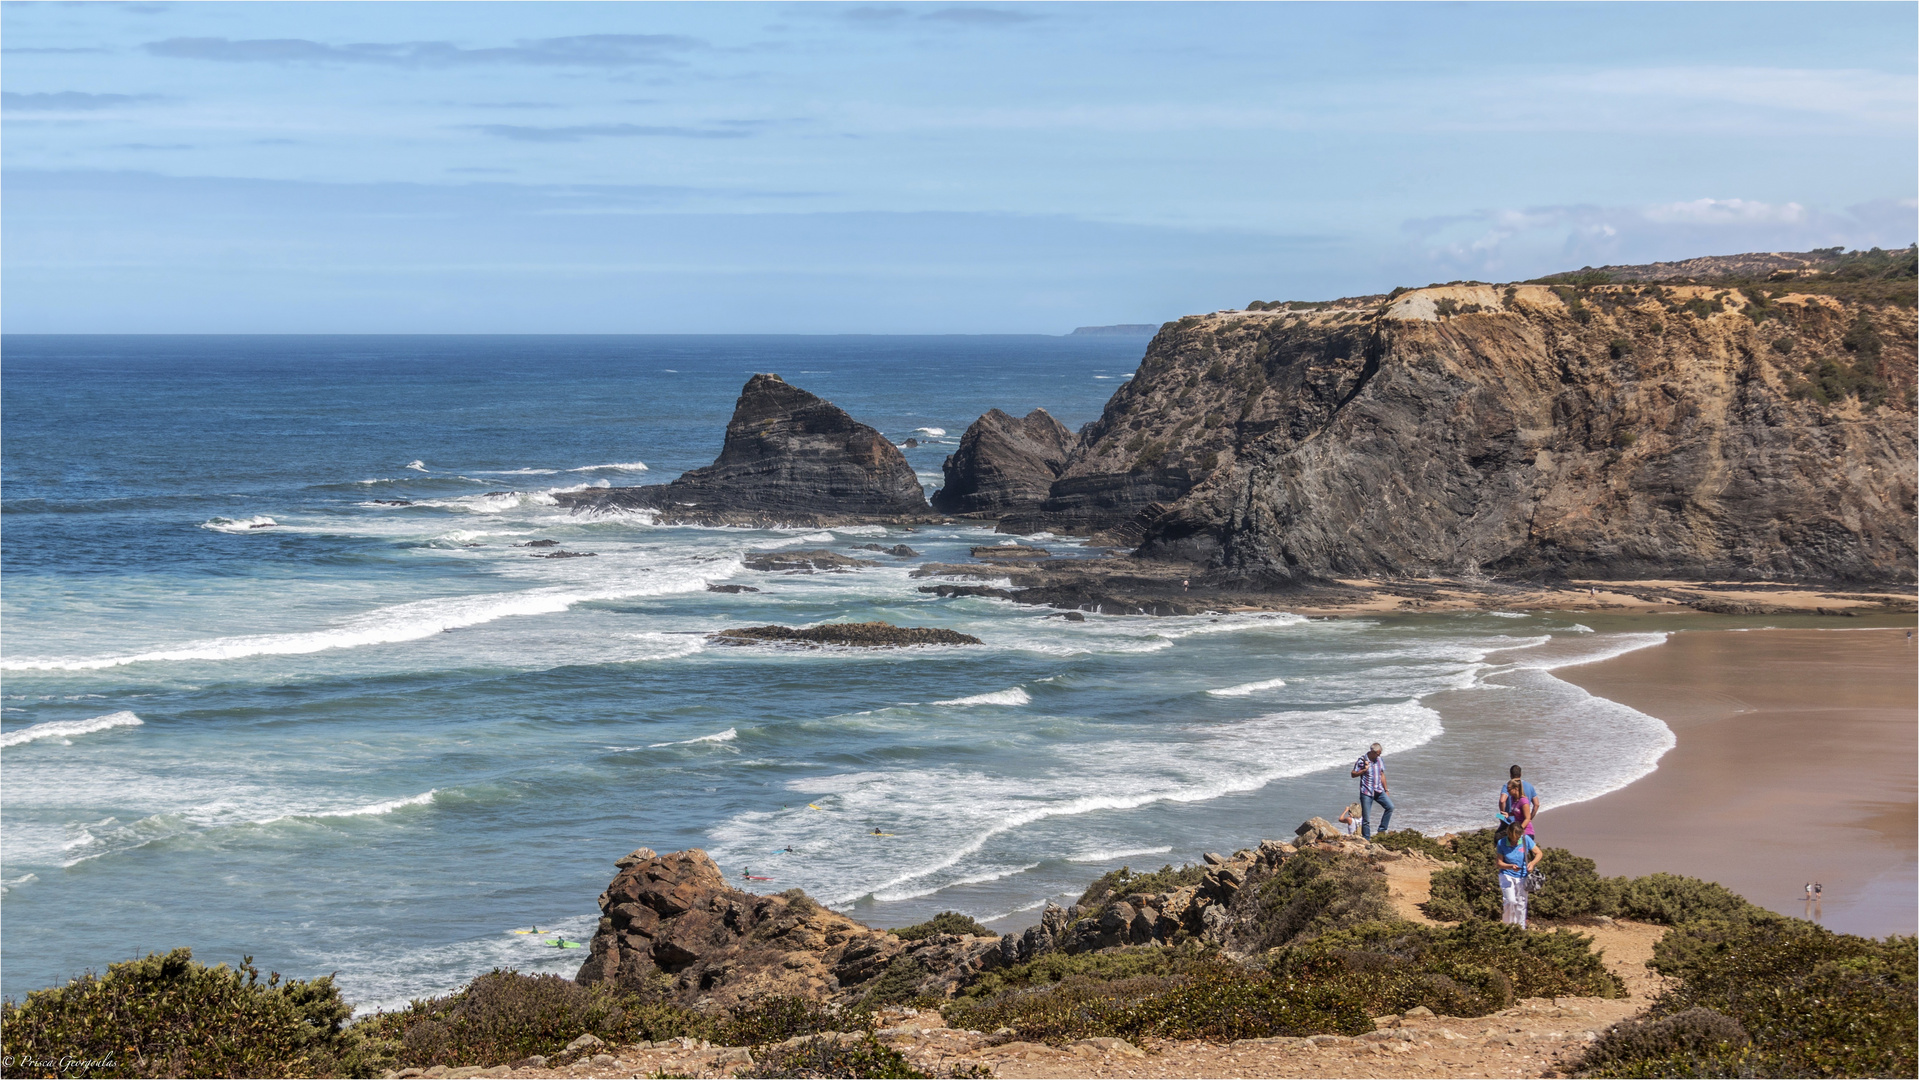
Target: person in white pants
x,y
1518,854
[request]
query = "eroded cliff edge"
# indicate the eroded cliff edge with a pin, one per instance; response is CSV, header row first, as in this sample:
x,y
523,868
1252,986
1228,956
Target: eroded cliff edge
x,y
1599,431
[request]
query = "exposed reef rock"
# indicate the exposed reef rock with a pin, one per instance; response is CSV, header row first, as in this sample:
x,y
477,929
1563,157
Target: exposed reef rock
x,y
674,918
789,457
804,562
898,551
866,634
1010,551
1004,464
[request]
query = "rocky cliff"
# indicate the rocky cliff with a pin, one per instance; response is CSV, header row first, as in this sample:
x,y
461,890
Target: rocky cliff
x,y
1589,430
1004,464
789,457
672,922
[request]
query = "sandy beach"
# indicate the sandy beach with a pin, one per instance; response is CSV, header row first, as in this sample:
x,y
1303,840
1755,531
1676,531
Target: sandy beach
x,y
1796,758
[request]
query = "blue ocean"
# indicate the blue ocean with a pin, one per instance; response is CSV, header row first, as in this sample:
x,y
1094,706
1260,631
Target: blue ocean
x,y
282,681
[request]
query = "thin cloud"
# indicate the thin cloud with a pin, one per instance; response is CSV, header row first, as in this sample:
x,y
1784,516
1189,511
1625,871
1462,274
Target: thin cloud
x,y
581,50
30,50
979,16
69,101
581,132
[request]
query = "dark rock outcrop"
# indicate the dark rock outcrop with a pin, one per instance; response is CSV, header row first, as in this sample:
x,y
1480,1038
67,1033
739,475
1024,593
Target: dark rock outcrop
x,y
865,635
804,562
1010,551
789,457
1004,464
898,551
674,918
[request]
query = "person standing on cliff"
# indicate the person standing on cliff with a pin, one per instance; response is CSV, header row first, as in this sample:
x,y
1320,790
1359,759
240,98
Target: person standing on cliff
x,y
1372,789
1530,794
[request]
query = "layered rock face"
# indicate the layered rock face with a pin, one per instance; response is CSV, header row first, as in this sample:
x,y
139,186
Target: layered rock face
x,y
1004,464
673,919
1611,431
788,456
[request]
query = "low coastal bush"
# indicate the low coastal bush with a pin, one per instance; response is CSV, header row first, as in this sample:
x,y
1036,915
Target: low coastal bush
x,y
1213,999
1813,1002
946,922
1529,963
165,1015
1315,892
504,1016
822,1058
1570,886
1123,882
1107,965
1696,1042
1413,840
1676,900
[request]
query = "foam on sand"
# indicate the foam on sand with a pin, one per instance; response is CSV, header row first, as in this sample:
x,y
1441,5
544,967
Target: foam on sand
x,y
1015,696
1248,689
67,729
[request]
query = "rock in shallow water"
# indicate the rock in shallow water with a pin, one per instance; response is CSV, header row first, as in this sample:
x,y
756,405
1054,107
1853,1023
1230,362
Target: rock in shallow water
x,y
868,634
1004,464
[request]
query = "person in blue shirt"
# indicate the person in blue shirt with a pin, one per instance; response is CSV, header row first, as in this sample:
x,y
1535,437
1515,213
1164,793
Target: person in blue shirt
x,y
1532,798
1518,854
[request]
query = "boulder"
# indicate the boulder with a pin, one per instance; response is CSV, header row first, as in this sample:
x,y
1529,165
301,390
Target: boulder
x,y
1317,830
1004,464
788,456
674,919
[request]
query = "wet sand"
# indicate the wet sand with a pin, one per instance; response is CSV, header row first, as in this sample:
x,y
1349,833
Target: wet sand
x,y
1796,761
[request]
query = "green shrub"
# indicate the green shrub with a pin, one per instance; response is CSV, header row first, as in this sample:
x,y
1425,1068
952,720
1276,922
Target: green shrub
x,y
1675,900
1106,965
505,1016
866,1057
1121,883
164,1015
1315,892
1527,963
1815,1003
1696,1042
946,922
1782,346
777,1019
1212,1000
899,984
1569,885
1412,840
1618,348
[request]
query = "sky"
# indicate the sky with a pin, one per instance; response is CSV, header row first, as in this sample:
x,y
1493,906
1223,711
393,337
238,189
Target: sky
x,y
908,168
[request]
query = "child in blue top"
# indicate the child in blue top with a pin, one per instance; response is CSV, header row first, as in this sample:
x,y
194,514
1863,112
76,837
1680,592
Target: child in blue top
x,y
1518,854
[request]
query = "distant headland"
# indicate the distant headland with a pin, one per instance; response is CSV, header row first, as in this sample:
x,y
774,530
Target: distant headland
x,y
1117,330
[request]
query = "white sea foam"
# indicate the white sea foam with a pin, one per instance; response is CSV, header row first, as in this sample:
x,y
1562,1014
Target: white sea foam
x,y
1508,614
933,431
1124,853
724,736
371,810
977,878
7,885
417,466
240,525
1015,696
399,622
1248,689
67,729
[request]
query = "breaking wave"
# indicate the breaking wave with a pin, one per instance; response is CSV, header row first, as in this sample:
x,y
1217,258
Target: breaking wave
x,y
67,729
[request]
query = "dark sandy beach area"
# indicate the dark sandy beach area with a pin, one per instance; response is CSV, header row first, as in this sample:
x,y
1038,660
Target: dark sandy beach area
x,y
1796,761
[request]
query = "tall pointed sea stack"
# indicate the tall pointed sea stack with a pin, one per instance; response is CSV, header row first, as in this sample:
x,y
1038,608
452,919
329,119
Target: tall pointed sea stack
x,y
789,457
